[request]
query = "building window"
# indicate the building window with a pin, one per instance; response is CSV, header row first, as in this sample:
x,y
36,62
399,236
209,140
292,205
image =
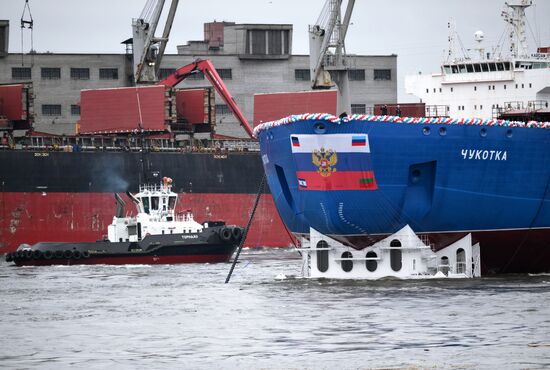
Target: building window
x,y
222,109
108,73
427,91
50,73
302,74
382,74
165,72
80,73
475,88
225,73
358,108
51,109
452,89
75,110
267,42
356,75
21,73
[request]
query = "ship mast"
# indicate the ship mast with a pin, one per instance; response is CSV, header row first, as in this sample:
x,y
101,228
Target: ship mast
x,y
515,16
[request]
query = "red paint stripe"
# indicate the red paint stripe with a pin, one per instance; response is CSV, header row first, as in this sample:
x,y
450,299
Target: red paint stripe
x,y
130,260
339,180
78,217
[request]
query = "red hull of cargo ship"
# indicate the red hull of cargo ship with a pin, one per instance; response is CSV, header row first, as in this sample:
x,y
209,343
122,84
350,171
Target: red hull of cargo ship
x,y
41,216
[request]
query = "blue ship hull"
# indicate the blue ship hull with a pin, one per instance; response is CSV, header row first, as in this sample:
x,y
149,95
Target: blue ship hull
x,y
444,180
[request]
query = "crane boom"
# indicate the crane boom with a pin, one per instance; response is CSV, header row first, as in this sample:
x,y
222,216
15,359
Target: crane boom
x,y
166,33
148,49
328,61
207,68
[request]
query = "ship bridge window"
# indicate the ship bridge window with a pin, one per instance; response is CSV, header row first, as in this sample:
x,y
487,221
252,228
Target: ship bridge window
x,y
469,68
145,201
500,66
462,68
485,67
477,67
507,66
492,67
447,69
172,202
154,203
454,69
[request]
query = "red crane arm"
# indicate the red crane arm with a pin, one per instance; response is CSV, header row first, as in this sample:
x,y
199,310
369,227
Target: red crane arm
x,y
207,68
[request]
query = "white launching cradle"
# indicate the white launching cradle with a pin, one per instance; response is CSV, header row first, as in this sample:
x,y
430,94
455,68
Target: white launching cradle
x,y
401,255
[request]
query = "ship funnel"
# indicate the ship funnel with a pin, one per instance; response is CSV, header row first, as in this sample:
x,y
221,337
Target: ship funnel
x,y
132,198
120,204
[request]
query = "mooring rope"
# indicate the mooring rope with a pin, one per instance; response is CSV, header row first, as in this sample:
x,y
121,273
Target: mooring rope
x,y
256,202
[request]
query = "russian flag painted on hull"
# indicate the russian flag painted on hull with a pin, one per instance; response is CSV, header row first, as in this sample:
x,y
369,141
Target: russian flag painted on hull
x,y
333,162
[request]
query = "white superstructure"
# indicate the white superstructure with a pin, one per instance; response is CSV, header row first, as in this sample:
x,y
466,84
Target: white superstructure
x,y
489,84
156,215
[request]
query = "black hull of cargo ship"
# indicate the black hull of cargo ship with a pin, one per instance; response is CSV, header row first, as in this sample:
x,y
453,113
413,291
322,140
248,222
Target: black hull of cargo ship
x,y
68,196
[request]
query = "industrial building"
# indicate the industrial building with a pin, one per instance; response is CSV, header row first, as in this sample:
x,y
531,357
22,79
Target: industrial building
x,y
250,58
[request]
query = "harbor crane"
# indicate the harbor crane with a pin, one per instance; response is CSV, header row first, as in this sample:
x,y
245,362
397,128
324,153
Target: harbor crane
x,y
206,67
328,62
148,49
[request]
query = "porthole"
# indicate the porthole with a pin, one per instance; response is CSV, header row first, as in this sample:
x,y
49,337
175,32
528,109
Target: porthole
x,y
320,128
426,130
442,131
372,264
483,132
322,256
509,133
396,261
347,265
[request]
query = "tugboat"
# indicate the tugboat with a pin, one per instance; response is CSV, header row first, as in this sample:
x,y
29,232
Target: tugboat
x,y
156,235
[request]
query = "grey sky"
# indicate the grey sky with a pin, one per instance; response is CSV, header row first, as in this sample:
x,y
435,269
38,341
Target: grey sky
x,y
414,30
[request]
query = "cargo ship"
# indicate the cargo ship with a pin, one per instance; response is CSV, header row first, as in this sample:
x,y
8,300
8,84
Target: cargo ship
x,y
360,178
60,187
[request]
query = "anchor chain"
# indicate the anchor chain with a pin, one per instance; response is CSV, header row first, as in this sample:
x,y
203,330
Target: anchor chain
x,y
258,195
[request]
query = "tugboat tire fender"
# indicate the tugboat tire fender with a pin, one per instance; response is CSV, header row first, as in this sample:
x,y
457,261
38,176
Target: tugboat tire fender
x,y
237,233
67,254
9,257
27,254
225,234
48,255
58,254
36,254
85,254
77,254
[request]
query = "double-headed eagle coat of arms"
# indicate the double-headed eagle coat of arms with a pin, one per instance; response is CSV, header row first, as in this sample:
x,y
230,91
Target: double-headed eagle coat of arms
x,y
325,159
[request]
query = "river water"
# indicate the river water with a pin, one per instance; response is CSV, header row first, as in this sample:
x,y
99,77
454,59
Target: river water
x,y
184,316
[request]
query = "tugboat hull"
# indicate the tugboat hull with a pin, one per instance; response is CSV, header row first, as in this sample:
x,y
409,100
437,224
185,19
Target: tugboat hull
x,y
215,244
